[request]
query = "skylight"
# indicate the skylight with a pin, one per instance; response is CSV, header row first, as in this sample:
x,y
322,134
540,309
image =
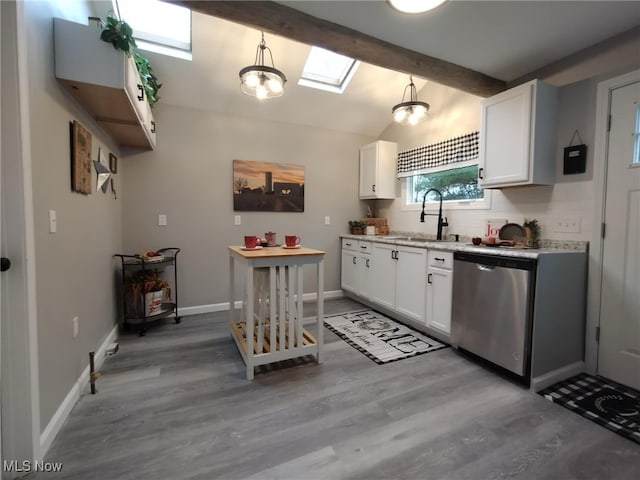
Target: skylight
x,y
327,70
158,26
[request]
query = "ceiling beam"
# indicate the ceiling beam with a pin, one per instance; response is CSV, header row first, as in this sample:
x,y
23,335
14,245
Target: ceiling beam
x,y
287,22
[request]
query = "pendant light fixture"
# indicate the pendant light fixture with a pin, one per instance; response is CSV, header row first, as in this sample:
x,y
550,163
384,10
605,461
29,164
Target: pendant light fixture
x,y
260,80
413,111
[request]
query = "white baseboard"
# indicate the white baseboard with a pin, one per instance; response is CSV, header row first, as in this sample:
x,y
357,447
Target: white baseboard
x,y
221,307
548,379
82,384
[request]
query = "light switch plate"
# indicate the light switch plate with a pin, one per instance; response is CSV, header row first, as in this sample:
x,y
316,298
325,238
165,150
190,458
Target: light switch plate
x,y
53,222
162,220
327,220
237,220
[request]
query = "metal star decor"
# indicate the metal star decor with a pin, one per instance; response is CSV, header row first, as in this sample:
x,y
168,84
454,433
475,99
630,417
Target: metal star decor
x,y
103,176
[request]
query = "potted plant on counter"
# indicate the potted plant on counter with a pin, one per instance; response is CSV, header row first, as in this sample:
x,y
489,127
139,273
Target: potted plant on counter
x,y
532,232
357,227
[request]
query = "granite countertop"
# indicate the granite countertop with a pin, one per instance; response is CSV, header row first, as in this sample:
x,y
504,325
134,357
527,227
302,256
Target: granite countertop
x,y
464,245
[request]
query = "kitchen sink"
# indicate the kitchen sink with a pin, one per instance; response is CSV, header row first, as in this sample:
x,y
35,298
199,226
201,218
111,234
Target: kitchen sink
x,y
416,239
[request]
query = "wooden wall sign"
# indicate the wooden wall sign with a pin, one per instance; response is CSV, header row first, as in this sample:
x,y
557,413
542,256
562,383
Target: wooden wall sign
x,y
81,168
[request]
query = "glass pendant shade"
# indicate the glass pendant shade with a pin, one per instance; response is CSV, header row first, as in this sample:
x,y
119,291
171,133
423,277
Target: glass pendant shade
x,y
260,80
411,112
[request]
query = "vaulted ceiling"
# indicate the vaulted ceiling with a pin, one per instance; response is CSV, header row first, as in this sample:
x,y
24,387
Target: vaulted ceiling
x,y
474,46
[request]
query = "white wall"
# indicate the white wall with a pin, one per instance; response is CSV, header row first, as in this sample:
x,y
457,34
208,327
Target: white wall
x,y
74,267
189,178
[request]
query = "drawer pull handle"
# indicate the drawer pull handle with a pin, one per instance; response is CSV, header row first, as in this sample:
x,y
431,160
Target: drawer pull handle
x,y
354,260
153,126
141,94
367,263
429,276
437,259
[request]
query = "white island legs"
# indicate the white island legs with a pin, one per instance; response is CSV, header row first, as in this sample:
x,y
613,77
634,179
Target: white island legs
x,y
271,328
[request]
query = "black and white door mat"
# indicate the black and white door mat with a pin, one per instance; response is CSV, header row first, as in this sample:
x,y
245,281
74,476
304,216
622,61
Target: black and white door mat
x,y
602,401
381,339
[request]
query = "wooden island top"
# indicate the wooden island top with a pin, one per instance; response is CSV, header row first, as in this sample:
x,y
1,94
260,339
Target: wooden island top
x,y
270,252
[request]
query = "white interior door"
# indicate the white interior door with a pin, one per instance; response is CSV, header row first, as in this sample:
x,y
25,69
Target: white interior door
x,y
1,250
619,348
19,395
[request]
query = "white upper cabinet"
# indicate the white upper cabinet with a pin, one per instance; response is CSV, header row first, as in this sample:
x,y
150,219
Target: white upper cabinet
x,y
378,177
106,83
518,137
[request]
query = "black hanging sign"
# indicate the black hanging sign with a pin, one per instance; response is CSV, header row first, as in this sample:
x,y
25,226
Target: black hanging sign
x,y
575,157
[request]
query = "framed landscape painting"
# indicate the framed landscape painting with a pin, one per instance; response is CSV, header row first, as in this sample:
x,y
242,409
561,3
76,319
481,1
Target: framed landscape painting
x,y
267,187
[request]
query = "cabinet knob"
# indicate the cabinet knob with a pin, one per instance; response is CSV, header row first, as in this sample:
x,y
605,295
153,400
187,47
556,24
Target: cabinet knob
x,y
141,94
5,264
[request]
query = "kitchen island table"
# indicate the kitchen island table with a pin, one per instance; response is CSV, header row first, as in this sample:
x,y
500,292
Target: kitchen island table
x,y
270,326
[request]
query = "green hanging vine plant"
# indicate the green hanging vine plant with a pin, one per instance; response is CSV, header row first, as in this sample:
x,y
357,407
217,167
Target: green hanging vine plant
x,y
120,34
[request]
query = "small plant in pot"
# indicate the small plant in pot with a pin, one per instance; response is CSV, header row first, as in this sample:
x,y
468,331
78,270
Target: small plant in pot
x,y
532,231
357,227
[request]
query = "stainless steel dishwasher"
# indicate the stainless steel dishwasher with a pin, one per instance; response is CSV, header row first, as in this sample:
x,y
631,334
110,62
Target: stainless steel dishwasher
x,y
493,307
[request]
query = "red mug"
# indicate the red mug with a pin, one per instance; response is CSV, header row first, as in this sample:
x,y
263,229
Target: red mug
x,y
291,240
250,241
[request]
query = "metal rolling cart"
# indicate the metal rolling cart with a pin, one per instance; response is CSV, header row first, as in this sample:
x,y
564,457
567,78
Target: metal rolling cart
x,y
149,293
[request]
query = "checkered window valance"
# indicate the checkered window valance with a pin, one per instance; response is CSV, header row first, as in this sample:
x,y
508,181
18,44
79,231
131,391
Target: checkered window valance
x,y
438,155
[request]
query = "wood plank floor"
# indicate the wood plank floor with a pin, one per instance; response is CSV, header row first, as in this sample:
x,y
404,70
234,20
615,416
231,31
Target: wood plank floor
x,y
176,405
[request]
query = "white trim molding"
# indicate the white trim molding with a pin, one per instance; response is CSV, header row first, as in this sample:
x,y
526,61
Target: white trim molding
x,y
601,145
81,386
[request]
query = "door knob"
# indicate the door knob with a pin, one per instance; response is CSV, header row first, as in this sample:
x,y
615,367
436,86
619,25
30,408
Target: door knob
x,y
5,264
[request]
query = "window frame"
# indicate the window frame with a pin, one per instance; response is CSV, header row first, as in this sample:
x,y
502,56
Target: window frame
x,y
160,44
635,159
314,80
431,205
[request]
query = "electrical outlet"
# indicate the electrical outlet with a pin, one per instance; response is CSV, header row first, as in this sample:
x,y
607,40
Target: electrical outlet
x,y
237,220
567,225
162,220
327,220
75,327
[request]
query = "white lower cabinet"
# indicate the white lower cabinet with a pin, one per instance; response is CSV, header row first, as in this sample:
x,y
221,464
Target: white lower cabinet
x,y
414,282
356,265
439,290
398,279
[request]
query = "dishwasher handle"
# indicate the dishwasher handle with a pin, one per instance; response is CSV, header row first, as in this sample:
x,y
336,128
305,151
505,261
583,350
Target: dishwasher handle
x,y
485,268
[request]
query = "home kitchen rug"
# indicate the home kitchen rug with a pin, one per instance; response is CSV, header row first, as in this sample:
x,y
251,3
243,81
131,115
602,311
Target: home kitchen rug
x,y
602,401
380,338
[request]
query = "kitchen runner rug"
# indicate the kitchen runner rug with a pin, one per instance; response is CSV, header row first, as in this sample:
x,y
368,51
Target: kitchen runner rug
x,y
381,339
602,401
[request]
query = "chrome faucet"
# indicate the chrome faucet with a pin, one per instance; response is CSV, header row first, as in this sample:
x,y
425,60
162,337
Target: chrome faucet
x,y
441,222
